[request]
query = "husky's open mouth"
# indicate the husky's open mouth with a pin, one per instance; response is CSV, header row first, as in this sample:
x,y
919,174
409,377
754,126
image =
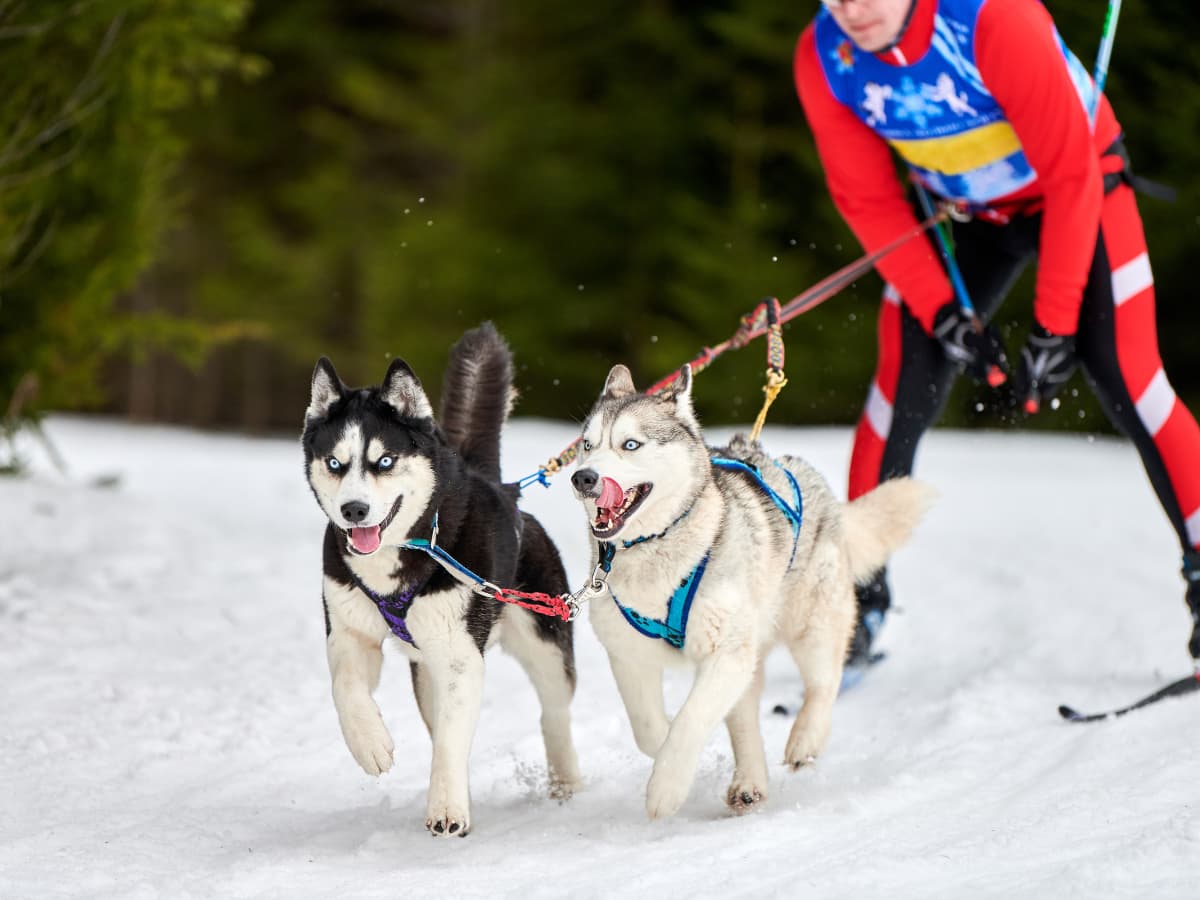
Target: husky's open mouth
x,y
614,506
365,541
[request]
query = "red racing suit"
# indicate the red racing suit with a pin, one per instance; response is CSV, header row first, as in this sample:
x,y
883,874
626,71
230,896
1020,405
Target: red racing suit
x,y
1077,218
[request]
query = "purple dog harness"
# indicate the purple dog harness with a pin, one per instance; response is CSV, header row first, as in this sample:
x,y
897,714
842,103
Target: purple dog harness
x,y
393,607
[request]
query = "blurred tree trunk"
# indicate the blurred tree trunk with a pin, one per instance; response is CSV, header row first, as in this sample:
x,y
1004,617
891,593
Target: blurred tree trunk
x,y
141,393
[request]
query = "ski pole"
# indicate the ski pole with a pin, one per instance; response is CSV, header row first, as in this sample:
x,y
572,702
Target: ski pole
x,y
1104,54
995,377
956,279
1099,76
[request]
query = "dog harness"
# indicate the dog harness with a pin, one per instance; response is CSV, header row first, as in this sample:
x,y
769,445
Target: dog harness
x,y
393,607
795,514
673,629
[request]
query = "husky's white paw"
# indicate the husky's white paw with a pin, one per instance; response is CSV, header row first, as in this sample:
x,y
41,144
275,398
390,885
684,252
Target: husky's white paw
x,y
445,817
745,795
369,741
803,749
666,792
799,760
810,733
564,789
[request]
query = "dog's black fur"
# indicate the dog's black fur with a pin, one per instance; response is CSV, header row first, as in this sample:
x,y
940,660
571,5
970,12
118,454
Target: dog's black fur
x,y
478,519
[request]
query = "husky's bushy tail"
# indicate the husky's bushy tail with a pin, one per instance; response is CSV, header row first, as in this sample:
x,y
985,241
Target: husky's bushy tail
x,y
879,522
477,396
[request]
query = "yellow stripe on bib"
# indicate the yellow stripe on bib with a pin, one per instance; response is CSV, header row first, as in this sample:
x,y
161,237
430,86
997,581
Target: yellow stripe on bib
x,y
959,153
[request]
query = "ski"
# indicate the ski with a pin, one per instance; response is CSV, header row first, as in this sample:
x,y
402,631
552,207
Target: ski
x,y
1174,689
852,675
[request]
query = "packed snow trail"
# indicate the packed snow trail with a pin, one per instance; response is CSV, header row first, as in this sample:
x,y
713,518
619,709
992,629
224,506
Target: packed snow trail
x,y
166,728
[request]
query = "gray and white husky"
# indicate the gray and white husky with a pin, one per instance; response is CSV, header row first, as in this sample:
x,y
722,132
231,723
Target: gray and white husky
x,y
711,558
385,473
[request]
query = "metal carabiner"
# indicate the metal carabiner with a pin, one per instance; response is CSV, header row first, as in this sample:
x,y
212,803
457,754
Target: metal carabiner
x,y
599,580
957,211
487,589
574,607
595,587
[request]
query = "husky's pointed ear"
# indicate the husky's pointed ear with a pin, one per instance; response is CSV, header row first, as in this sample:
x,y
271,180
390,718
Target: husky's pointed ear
x,y
681,392
619,383
327,389
403,392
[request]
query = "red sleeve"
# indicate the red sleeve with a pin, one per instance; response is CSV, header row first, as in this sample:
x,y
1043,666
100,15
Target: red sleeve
x,y
862,180
1020,62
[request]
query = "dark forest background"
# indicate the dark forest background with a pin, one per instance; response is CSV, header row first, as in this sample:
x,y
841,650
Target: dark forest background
x,y
198,199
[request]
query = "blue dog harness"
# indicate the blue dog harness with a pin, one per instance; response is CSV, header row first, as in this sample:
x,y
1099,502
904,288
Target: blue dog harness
x,y
674,629
795,514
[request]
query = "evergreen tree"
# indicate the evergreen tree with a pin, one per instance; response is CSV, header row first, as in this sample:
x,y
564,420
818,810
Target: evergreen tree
x,y
617,181
87,112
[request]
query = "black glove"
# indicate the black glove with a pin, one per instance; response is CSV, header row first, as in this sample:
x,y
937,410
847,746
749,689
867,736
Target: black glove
x,y
974,346
1047,361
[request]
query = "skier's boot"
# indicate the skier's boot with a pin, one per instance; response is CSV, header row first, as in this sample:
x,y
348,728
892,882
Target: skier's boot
x,y
874,599
1191,574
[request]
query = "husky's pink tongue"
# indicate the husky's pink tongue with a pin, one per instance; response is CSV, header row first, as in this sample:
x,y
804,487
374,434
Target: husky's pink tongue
x,y
365,540
611,495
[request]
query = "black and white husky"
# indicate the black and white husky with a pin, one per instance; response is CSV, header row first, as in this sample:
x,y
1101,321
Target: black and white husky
x,y
711,558
386,473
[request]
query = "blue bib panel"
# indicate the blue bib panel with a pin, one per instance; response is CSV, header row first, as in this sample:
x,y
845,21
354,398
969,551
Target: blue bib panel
x,y
936,112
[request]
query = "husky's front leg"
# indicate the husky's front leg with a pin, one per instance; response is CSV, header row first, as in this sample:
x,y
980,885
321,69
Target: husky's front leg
x,y
640,686
748,789
455,669
721,679
355,661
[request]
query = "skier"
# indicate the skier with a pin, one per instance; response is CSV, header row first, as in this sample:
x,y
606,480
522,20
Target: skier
x,y
988,108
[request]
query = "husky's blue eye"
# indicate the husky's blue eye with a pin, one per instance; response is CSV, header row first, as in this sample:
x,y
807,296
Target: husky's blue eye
x,y
386,462
631,444
587,446
333,464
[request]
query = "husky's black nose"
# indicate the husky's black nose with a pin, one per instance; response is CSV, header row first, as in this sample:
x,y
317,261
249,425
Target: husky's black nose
x,y
355,511
585,481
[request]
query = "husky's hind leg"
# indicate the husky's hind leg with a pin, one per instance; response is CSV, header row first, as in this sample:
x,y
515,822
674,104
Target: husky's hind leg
x,y
544,646
551,667
749,786
454,664
820,654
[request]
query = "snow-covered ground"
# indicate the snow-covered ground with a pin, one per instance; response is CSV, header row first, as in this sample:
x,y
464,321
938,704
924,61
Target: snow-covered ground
x,y
166,728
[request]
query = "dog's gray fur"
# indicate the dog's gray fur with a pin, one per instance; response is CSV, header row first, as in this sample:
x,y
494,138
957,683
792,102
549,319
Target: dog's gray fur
x,y
753,595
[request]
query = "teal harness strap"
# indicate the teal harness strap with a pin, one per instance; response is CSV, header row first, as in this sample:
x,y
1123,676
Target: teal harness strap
x,y
679,606
674,629
452,566
794,513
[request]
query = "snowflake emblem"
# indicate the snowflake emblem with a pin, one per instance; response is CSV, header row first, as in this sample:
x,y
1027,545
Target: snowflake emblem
x,y
911,104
